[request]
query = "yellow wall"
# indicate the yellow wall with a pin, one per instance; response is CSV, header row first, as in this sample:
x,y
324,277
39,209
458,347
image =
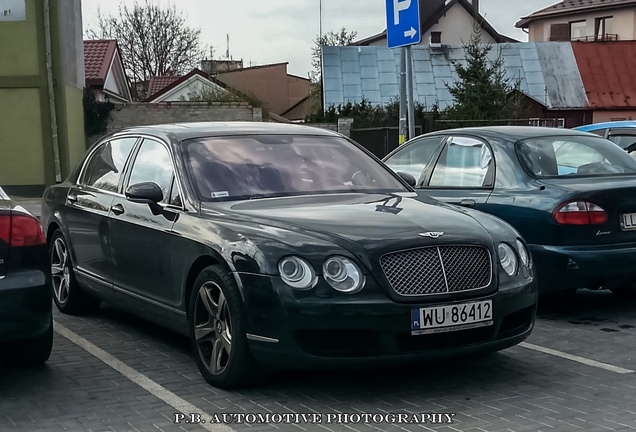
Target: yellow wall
x,y
21,158
26,137
75,126
19,47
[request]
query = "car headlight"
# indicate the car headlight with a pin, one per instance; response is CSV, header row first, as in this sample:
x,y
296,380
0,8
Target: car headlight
x,y
343,275
297,273
508,259
523,254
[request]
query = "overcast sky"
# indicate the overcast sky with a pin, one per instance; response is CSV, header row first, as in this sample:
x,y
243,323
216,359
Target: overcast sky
x,y
272,31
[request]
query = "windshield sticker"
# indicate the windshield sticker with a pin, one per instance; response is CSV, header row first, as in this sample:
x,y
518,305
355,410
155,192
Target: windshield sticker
x,y
220,194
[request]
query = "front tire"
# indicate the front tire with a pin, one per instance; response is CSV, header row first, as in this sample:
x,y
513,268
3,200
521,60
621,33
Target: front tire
x,y
67,294
217,330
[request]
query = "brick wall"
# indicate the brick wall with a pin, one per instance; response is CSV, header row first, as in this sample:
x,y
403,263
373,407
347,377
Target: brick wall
x,y
145,114
343,126
330,126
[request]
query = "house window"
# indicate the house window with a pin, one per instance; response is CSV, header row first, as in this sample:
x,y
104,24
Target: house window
x,y
436,37
577,30
601,28
560,32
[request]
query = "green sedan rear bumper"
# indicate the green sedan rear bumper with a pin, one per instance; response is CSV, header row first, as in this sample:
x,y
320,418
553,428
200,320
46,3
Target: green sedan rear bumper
x,y
565,268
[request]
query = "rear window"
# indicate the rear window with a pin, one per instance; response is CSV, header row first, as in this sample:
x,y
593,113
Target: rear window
x,y
570,156
626,142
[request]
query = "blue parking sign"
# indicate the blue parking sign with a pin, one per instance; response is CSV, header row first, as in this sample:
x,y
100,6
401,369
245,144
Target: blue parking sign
x,y
403,23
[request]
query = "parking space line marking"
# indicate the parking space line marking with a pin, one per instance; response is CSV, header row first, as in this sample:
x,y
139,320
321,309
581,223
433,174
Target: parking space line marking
x,y
141,380
576,358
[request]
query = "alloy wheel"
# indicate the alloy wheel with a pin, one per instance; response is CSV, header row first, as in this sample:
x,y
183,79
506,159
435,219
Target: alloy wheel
x,y
213,328
60,270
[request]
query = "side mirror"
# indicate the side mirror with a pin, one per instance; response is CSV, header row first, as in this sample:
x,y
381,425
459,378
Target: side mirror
x,y
408,178
144,193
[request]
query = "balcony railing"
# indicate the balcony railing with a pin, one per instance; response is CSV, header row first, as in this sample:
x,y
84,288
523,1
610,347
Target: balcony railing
x,y
608,37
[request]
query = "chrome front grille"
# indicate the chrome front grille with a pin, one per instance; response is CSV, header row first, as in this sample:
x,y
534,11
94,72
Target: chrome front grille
x,y
437,270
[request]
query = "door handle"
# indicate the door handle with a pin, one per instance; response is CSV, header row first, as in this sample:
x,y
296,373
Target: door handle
x,y
117,209
467,203
72,198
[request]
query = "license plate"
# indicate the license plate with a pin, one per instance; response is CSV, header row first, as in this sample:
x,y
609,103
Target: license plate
x,y
629,222
442,319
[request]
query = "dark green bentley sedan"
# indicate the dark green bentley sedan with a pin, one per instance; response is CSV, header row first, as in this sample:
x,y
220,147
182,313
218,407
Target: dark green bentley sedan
x,y
283,246
571,195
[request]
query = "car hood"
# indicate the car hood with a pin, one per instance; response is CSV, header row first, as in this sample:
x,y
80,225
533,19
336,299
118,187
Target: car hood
x,y
375,222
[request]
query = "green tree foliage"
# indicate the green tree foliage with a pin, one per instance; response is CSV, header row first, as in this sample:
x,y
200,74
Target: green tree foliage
x,y
366,114
96,113
483,91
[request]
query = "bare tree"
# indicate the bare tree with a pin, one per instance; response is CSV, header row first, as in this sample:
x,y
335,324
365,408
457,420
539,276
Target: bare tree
x,y
154,41
339,38
332,38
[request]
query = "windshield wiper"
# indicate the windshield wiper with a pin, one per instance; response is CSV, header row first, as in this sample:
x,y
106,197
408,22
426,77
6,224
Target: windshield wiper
x,y
279,195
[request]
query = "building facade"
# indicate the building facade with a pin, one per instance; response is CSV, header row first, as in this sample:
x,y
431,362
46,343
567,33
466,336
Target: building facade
x,y
41,112
270,84
582,20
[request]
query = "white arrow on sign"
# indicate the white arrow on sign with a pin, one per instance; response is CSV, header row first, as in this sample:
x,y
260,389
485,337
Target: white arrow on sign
x,y
410,33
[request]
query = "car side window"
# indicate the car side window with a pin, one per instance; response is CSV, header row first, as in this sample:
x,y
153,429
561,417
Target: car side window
x,y
175,194
153,164
599,132
465,162
414,158
107,164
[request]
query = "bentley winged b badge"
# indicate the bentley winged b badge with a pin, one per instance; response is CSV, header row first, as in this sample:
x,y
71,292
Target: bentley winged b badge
x,y
433,235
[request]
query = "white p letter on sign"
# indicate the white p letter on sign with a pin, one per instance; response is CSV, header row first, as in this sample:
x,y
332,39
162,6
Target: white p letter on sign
x,y
399,6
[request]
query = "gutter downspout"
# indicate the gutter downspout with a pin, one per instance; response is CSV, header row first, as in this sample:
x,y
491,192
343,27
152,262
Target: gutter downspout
x,y
49,76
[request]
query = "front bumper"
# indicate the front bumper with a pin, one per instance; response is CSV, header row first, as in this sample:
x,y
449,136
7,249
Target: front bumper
x,y
25,305
562,268
325,329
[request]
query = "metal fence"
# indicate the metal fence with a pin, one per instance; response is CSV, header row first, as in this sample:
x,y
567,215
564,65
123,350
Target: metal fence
x,y
437,125
381,140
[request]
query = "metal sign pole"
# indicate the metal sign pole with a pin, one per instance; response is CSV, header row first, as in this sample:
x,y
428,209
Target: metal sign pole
x,y
409,89
403,30
403,113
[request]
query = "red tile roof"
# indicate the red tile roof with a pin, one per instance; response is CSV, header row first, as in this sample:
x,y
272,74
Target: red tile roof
x,y
98,55
607,70
158,83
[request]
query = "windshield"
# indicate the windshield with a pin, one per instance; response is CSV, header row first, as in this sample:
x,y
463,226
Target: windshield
x,y
574,156
243,167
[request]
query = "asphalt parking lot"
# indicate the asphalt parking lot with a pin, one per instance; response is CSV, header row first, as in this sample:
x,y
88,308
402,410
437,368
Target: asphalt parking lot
x,y
111,371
